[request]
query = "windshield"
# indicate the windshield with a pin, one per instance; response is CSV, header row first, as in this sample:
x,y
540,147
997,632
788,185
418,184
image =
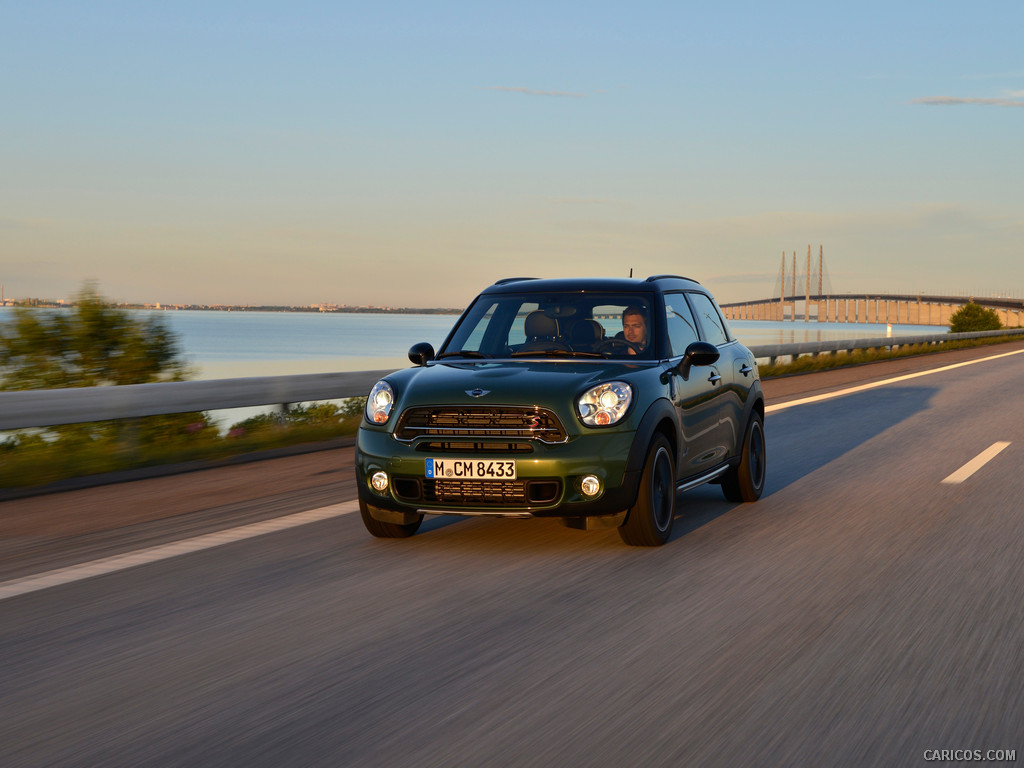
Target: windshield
x,y
600,325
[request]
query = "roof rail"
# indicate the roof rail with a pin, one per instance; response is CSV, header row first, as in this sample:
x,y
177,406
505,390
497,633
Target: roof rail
x,y
505,280
652,278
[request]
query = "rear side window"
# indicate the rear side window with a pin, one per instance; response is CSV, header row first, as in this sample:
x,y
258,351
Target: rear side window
x,y
682,331
711,322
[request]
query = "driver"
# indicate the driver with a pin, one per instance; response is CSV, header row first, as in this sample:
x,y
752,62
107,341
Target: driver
x,y
634,328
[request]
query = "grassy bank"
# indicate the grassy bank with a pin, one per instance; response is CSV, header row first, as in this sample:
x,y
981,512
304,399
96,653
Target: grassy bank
x,y
33,458
826,361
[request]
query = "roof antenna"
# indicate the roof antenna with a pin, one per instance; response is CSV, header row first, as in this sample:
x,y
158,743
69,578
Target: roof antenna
x,y
630,271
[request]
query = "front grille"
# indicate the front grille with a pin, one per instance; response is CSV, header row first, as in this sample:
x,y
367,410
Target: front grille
x,y
503,492
478,493
466,447
480,423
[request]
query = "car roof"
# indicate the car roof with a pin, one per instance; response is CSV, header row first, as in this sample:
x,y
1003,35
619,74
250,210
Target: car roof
x,y
655,283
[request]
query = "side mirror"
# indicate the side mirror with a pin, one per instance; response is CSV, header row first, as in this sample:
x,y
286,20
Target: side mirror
x,y
698,353
701,353
421,354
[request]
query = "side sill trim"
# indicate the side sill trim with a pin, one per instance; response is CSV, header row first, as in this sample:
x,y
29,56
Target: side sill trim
x,y
686,485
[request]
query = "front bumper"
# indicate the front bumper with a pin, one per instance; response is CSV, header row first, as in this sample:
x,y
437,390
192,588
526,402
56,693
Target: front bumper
x,y
547,484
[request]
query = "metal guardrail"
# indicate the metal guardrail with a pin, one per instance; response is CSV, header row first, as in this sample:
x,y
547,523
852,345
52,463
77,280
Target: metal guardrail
x,y
52,407
772,352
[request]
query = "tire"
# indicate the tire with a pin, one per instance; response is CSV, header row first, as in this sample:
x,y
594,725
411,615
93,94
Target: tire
x,y
650,519
384,530
745,481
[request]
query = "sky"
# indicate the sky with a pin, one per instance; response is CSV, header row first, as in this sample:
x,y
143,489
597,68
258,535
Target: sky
x,y
409,154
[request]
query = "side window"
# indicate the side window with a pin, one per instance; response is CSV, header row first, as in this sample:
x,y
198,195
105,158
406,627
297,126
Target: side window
x,y
678,319
517,333
475,338
470,334
610,317
710,320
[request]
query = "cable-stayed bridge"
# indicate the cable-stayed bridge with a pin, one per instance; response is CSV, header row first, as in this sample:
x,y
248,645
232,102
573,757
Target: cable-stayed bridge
x,y
806,295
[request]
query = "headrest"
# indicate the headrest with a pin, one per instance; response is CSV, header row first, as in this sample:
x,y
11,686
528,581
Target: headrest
x,y
538,324
587,332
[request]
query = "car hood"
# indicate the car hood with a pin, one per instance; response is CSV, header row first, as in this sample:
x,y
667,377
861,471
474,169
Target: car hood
x,y
506,382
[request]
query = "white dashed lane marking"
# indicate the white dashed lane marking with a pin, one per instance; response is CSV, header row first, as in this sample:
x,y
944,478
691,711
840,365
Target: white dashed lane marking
x,y
975,464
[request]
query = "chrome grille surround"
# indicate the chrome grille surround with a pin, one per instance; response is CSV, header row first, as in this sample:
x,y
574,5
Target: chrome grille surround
x,y
480,423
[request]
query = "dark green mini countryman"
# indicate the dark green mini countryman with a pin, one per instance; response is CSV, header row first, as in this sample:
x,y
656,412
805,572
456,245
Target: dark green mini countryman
x,y
590,400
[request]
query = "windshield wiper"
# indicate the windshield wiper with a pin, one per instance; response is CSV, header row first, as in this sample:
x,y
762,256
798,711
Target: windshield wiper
x,y
463,353
556,353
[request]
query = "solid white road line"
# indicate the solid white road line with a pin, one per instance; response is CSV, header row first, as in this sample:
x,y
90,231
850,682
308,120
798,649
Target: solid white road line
x,y
116,563
872,385
975,464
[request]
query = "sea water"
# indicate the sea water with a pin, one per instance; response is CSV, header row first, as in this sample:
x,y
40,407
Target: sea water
x,y
221,344
232,344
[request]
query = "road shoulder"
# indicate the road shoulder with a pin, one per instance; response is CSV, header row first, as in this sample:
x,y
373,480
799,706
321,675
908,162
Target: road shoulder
x,y
797,386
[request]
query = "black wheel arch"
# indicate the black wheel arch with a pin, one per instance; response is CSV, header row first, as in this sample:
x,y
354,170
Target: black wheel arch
x,y
660,417
754,404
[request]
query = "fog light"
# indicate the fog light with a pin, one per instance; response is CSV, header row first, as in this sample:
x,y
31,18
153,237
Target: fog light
x,y
590,486
379,481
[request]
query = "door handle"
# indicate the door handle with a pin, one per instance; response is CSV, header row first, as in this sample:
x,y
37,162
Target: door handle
x,y
746,369
714,378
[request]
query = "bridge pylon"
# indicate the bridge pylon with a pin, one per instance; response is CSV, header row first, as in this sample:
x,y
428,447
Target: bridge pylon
x,y
809,288
789,293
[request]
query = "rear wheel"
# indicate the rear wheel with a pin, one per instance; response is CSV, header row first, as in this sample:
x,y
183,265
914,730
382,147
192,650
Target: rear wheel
x,y
383,530
649,522
745,481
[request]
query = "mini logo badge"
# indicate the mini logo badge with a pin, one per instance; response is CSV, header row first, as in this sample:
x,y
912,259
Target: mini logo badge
x,y
478,392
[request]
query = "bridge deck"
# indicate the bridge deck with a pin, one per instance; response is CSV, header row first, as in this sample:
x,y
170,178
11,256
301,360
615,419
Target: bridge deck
x,y
872,308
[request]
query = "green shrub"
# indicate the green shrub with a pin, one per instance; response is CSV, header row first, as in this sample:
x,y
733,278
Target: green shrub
x,y
91,344
94,343
973,317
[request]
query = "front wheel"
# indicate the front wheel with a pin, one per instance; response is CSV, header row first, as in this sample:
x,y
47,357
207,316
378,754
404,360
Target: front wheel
x,y
745,481
383,530
649,522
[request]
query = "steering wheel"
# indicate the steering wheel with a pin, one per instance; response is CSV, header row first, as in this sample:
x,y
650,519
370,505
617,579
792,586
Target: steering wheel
x,y
610,346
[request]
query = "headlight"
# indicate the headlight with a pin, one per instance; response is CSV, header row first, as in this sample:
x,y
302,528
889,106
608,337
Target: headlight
x,y
379,403
605,404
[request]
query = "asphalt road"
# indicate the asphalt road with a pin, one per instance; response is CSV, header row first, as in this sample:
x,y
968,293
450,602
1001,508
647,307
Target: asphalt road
x,y
864,612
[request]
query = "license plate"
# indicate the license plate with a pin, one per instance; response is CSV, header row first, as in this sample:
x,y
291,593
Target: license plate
x,y
473,469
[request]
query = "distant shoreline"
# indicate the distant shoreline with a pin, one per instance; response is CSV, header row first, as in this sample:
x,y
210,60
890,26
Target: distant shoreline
x,y
320,308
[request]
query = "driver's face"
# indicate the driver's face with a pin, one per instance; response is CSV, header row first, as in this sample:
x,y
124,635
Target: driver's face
x,y
634,329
